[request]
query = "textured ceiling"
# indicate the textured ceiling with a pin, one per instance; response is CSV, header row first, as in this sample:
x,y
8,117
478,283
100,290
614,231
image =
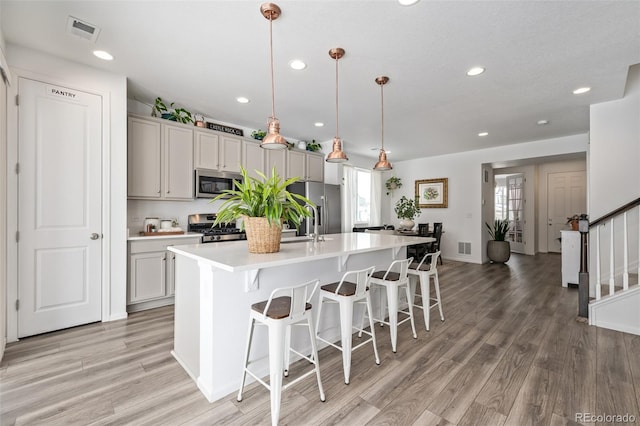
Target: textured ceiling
x,y
204,54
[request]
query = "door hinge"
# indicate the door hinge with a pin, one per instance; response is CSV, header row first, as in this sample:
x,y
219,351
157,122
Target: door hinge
x,y
17,236
17,304
17,100
17,168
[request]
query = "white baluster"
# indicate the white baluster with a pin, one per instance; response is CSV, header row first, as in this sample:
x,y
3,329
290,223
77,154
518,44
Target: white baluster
x,y
611,263
625,254
598,283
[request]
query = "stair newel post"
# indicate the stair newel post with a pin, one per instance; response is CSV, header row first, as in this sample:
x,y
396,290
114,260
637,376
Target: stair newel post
x,y
583,275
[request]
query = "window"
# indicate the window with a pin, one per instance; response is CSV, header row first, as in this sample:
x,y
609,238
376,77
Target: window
x,y
363,194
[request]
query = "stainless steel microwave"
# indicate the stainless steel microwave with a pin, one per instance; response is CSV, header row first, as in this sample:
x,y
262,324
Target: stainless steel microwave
x,y
210,183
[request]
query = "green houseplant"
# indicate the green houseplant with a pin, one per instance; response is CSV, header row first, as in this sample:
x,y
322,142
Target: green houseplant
x,y
392,183
180,115
313,146
258,134
406,209
263,205
498,249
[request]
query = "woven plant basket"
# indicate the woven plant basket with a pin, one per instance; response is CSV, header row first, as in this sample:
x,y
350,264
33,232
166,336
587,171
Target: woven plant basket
x,y
262,236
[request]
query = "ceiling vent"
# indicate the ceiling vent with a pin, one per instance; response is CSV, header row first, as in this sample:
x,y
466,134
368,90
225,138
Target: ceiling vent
x,y
82,29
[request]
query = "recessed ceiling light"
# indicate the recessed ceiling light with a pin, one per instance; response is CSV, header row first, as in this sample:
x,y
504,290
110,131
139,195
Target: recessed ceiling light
x,y
242,100
318,124
581,90
297,64
475,71
408,2
543,122
103,55
483,134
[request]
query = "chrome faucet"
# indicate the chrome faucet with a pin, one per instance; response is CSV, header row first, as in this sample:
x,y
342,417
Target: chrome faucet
x,y
316,233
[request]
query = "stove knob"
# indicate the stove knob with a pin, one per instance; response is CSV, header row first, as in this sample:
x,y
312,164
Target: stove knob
x,y
217,238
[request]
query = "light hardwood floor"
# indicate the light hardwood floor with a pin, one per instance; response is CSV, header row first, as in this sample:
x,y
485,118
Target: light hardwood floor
x,y
510,352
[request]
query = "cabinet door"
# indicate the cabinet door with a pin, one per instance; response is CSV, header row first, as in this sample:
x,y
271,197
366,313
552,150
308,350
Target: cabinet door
x,y
253,158
148,276
276,158
297,166
178,163
143,159
206,147
230,154
315,168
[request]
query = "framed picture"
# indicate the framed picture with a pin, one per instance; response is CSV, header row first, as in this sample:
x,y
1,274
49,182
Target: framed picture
x,y
432,193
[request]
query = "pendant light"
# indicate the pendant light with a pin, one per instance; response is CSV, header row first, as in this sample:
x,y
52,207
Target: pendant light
x,y
272,139
337,155
382,163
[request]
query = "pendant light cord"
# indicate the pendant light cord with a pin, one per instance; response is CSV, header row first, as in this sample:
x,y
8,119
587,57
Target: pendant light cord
x,y
382,114
337,134
273,102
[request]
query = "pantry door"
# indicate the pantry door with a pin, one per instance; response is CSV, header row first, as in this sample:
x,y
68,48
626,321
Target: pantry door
x,y
60,212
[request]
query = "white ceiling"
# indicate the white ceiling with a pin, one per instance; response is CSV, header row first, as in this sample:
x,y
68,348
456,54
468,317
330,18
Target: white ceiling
x,y
204,54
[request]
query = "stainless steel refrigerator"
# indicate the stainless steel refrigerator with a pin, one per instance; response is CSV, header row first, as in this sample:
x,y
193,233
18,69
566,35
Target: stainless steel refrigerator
x,y
327,199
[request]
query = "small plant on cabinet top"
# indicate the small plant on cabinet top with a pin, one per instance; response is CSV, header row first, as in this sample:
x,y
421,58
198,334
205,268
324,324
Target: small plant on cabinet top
x,y
313,146
258,134
180,115
406,208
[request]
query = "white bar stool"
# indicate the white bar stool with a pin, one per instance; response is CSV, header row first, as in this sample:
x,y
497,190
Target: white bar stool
x,y
285,307
425,271
393,281
346,294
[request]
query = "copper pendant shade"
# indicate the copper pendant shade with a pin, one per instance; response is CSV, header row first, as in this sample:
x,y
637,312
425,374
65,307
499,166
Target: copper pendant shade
x,y
337,155
382,163
273,139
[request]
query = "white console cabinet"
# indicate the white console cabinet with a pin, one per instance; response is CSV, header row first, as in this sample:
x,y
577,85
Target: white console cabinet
x,y
570,257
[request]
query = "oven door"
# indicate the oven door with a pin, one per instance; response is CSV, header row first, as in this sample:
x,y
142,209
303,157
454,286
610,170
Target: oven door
x,y
210,183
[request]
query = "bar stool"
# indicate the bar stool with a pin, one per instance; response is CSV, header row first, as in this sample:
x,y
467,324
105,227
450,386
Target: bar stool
x,y
286,307
346,294
425,271
393,281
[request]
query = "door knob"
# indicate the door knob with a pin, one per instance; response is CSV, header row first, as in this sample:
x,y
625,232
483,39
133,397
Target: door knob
x,y
94,236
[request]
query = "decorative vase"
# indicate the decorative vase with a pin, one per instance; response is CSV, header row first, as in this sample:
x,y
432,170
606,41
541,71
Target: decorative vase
x,y
574,225
302,145
262,236
407,224
498,251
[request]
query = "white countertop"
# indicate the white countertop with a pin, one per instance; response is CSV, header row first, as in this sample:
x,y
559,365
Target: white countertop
x,y
234,256
161,236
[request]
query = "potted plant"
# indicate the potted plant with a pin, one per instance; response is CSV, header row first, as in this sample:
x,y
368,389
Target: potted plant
x,y
180,115
573,221
393,183
313,146
406,209
258,134
498,249
263,205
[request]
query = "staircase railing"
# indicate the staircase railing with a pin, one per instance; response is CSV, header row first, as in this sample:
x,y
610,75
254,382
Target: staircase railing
x,y
597,227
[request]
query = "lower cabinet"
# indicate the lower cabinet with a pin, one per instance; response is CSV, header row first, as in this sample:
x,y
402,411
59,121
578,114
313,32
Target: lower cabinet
x,y
151,271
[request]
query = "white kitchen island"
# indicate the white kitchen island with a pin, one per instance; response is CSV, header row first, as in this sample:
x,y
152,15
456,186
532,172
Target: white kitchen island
x,y
216,284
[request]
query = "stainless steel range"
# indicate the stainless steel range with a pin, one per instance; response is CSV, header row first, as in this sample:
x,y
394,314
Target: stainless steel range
x,y
203,223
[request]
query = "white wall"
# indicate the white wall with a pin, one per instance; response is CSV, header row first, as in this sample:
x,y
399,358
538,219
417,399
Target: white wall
x,y
112,87
614,175
463,219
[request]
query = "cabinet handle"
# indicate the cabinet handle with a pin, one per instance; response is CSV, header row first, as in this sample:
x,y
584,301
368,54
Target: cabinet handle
x,y
164,259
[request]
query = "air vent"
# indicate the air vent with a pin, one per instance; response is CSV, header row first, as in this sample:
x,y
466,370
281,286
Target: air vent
x,y
82,29
464,248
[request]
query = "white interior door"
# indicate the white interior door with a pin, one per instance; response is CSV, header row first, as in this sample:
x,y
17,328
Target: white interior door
x,y
60,219
567,195
515,211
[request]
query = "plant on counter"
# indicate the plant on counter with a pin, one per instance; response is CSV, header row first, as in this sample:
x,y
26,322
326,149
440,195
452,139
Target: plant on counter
x,y
263,205
392,183
258,134
180,115
313,146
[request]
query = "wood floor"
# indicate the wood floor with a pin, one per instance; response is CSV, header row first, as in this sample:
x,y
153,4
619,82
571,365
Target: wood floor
x,y
510,352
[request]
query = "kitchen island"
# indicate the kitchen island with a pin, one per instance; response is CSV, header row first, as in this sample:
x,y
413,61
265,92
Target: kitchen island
x,y
216,284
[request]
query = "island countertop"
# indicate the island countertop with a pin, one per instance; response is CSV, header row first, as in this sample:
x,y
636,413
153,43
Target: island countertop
x,y
234,256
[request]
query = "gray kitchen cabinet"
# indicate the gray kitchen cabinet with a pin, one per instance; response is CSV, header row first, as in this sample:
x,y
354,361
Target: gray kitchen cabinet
x,y
151,272
159,160
308,166
252,158
217,151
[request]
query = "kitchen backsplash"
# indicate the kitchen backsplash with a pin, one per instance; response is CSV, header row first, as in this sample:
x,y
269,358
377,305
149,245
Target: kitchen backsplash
x,y
137,210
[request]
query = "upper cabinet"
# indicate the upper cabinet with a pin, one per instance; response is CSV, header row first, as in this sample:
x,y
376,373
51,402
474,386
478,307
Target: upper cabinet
x,y
276,158
252,158
308,166
217,152
160,160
